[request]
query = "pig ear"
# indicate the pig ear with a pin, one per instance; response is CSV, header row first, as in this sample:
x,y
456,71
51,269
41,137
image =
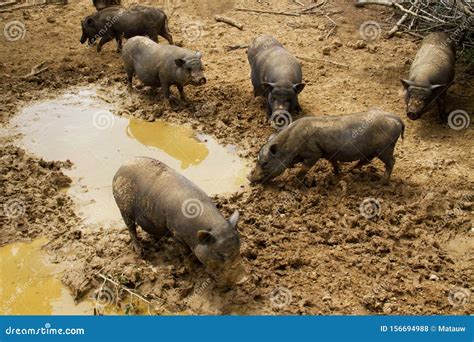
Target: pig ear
x,y
436,86
298,87
204,237
267,86
180,62
274,149
234,219
406,83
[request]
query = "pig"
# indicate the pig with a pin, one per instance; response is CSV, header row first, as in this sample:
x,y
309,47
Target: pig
x,y
344,138
276,75
431,74
163,202
101,4
159,65
117,22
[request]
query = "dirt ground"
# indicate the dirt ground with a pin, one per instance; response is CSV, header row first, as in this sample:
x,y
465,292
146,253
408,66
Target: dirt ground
x,y
307,247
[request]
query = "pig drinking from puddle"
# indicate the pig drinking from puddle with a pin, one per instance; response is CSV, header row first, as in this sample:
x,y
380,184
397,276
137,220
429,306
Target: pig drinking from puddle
x,y
431,73
163,202
117,22
162,66
360,136
276,75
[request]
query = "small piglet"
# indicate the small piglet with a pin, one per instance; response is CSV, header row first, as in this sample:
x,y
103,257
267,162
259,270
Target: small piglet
x,y
360,136
431,74
276,75
117,22
163,202
159,65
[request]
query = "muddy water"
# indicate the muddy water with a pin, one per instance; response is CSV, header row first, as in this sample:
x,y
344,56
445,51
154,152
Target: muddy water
x,y
80,127
28,285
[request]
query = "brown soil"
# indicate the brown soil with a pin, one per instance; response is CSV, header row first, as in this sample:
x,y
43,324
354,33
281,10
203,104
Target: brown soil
x,y
309,239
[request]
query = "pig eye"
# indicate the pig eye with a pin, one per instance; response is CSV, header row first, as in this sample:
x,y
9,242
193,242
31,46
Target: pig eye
x,y
189,69
264,165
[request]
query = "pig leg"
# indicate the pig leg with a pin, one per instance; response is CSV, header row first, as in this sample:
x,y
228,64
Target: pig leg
x,y
297,106
130,70
362,162
118,39
181,92
165,34
132,229
105,39
387,158
309,159
335,166
167,94
154,37
442,107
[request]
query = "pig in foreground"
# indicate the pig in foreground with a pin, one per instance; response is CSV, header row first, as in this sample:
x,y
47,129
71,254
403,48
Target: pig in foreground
x,y
360,136
276,75
431,74
159,65
101,4
164,203
117,22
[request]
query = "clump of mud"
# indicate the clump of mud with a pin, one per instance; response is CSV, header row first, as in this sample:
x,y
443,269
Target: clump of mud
x,y
33,202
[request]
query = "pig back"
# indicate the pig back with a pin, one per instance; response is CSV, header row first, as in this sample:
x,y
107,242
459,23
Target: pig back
x,y
434,61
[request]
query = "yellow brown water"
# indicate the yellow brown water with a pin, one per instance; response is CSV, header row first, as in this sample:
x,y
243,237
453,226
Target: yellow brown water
x,y
28,285
80,127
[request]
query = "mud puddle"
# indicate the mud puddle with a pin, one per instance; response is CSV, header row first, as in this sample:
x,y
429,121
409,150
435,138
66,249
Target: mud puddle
x,y
29,285
80,127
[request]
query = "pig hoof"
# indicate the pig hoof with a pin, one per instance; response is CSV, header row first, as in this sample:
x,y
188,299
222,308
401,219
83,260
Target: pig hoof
x,y
140,252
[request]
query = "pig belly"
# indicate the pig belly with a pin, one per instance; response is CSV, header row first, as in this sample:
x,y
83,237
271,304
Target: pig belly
x,y
153,228
149,79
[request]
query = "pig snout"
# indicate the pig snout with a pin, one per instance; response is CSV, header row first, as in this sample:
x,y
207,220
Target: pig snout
x,y
256,175
412,115
199,80
281,118
83,39
233,273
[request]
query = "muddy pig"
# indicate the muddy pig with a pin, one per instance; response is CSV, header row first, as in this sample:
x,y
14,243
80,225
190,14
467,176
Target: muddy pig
x,y
159,65
359,136
101,4
276,75
117,22
162,202
431,74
